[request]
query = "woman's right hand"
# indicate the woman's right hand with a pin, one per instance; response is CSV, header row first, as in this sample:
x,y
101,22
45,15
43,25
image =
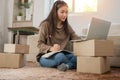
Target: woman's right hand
x,y
55,47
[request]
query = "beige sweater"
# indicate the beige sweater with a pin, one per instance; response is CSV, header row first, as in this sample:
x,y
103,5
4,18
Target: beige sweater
x,y
46,40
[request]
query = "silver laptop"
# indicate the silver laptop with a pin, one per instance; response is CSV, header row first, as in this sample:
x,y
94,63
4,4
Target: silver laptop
x,y
98,29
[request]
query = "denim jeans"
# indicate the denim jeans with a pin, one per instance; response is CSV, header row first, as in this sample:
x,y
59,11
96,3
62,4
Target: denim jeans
x,y
59,58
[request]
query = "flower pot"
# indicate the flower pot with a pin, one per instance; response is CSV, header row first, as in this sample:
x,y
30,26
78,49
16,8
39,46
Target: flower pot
x,y
19,18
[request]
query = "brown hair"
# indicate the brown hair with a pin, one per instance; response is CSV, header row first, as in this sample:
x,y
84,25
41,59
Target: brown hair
x,y
52,17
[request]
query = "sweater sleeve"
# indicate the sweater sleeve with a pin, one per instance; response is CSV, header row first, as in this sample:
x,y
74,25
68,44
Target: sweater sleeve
x,y
73,35
43,33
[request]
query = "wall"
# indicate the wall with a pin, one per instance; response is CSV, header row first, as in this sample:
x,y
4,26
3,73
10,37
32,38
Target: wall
x,y
41,10
38,13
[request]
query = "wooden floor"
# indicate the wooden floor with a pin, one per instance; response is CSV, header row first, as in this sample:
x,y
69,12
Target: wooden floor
x,y
33,71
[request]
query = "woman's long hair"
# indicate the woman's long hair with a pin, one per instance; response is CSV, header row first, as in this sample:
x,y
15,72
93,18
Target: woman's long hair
x,y
53,17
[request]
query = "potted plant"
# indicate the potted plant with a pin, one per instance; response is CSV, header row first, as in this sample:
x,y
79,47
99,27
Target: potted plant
x,y
20,4
19,17
27,4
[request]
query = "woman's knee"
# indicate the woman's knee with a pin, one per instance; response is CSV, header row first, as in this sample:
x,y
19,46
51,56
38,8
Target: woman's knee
x,y
47,62
60,58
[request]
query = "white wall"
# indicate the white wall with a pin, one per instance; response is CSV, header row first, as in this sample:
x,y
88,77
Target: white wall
x,y
38,13
41,10
10,12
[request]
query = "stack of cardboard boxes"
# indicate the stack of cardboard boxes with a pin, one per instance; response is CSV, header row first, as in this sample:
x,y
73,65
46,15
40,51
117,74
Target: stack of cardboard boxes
x,y
92,55
13,56
32,41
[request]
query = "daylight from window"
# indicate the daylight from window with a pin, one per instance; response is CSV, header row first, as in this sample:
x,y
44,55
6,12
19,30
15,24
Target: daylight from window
x,y
85,5
70,4
77,6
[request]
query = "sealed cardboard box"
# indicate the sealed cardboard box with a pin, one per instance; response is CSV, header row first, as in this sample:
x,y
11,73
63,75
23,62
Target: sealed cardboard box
x,y
32,41
31,57
16,48
11,60
22,39
117,50
116,40
94,48
97,65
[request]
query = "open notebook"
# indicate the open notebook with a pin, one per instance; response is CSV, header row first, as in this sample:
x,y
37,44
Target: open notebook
x,y
52,53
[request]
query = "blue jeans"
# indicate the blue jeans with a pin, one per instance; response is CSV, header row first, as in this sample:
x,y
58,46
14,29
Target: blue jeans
x,y
59,58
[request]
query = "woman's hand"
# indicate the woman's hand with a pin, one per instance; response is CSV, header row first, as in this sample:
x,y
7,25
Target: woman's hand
x,y
55,47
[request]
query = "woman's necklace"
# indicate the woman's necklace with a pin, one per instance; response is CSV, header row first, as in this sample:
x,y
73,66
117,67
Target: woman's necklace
x,y
59,26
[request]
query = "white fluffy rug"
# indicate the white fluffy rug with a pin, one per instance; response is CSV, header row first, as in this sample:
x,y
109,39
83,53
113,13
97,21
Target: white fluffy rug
x,y
33,72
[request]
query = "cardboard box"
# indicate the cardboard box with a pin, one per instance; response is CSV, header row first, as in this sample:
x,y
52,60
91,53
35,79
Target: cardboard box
x,y
97,65
32,41
22,39
114,61
94,48
16,48
116,40
117,50
31,57
11,60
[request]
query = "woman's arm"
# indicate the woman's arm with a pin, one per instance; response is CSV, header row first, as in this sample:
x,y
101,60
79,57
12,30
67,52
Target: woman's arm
x,y
43,34
73,35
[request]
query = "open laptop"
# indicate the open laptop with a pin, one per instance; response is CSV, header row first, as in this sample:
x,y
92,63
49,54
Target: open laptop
x,y
98,29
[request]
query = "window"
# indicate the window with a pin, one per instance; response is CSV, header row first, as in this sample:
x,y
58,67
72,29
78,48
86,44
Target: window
x,y
78,6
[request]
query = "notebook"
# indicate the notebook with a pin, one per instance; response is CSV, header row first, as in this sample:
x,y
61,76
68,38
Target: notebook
x,y
98,29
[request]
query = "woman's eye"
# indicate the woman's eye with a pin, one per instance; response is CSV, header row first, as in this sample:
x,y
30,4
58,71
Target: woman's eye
x,y
62,12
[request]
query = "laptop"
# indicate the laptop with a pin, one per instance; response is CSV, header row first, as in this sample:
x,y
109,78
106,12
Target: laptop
x,y
98,29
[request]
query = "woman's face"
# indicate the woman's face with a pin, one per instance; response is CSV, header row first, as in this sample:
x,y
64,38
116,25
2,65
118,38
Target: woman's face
x,y
62,13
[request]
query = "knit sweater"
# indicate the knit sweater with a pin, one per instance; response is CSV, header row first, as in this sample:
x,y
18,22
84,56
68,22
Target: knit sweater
x,y
46,40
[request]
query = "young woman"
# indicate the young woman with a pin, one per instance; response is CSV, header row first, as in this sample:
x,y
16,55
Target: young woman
x,y
54,35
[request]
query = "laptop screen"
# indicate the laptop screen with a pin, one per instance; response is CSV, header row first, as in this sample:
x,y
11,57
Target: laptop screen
x,y
98,29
